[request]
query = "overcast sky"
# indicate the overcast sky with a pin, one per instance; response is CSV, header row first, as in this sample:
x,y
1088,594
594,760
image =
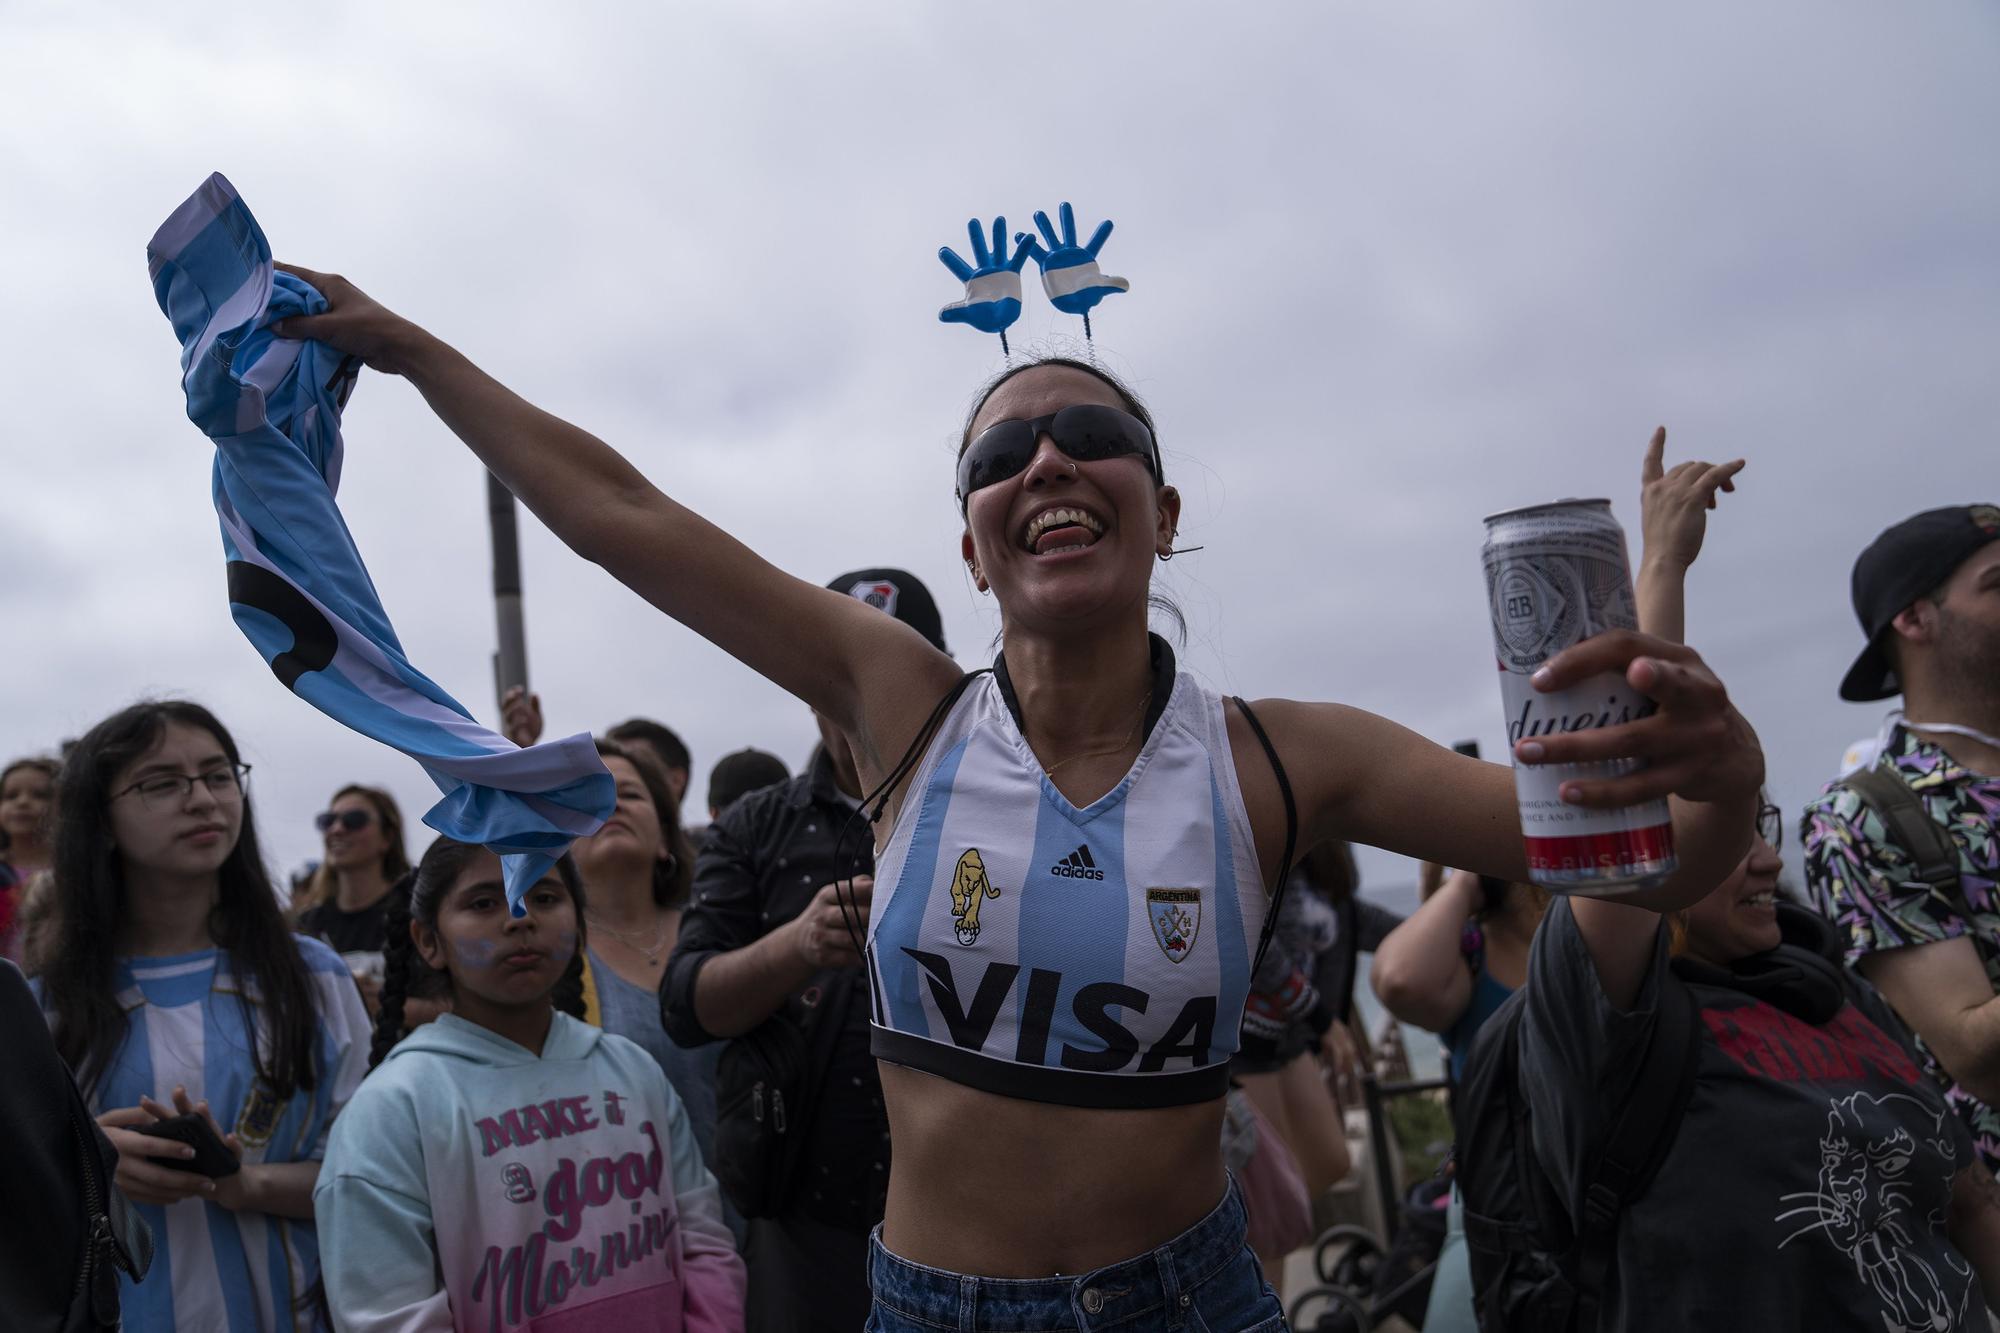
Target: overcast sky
x,y
1393,267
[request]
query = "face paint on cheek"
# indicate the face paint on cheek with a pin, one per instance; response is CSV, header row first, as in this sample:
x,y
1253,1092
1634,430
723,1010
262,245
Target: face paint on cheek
x,y
476,954
565,947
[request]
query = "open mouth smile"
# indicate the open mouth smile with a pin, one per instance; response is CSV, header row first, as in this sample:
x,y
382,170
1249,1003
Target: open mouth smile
x,y
1061,528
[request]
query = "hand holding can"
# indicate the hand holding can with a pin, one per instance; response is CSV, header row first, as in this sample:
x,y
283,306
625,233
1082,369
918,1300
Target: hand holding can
x,y
1557,577
1694,744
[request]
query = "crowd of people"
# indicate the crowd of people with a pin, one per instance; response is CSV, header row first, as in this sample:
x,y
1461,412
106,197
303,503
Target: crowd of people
x,y
1021,1005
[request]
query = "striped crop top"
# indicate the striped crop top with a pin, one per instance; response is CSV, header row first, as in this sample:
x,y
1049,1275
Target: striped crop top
x,y
1094,957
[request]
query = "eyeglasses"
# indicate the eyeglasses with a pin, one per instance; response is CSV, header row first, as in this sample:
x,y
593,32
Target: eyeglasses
x,y
164,791
351,820
1771,825
1086,432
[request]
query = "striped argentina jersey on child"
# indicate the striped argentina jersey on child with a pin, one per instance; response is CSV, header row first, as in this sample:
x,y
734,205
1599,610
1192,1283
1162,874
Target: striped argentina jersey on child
x,y
1094,957
217,1271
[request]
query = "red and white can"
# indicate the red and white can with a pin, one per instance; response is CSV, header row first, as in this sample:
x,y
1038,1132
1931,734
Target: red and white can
x,y
1555,575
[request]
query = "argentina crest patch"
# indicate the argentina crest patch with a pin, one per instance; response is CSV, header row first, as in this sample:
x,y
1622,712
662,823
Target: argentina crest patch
x,y
1176,918
260,1116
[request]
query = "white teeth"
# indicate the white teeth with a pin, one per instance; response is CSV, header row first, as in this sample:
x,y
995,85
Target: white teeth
x,y
1760,900
1050,518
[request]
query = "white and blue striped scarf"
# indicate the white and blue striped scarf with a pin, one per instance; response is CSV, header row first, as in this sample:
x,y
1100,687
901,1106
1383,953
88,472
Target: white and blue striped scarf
x,y
297,587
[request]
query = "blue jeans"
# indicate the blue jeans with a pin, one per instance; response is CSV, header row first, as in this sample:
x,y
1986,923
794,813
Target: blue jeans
x,y
1205,1280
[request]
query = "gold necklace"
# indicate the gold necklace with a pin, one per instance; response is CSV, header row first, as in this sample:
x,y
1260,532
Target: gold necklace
x,y
652,951
1123,741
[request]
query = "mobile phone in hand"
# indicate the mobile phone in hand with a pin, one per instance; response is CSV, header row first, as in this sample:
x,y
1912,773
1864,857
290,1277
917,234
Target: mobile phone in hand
x,y
212,1157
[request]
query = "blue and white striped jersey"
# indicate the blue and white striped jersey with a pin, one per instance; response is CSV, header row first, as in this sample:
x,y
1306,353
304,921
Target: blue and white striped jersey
x,y
1093,957
217,1271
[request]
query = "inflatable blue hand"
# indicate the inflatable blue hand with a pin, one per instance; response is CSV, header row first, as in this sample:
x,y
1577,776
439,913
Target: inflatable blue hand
x,y
1069,271
992,281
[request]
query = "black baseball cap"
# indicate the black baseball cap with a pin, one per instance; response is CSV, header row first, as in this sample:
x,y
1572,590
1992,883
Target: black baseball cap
x,y
1900,566
900,593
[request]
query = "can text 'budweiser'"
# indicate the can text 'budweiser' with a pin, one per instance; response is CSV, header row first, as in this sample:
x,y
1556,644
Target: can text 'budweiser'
x,y
1555,575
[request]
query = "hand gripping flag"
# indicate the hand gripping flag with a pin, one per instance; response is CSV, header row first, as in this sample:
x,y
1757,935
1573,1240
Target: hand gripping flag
x,y
297,587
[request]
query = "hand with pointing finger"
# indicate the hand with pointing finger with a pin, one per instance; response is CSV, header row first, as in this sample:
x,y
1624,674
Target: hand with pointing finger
x,y
1674,503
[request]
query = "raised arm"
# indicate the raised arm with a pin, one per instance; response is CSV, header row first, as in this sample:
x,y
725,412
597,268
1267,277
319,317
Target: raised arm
x,y
874,676
1673,508
1420,973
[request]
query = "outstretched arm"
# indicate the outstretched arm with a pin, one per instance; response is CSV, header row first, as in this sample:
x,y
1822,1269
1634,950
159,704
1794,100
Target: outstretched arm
x,y
1361,777
872,675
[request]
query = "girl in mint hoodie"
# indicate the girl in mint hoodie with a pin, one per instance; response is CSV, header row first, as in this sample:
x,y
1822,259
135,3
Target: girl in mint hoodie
x,y
508,1166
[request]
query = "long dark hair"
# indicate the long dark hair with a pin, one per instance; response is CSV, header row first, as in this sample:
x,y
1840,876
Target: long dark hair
x,y
673,880
1168,609
395,857
416,897
90,875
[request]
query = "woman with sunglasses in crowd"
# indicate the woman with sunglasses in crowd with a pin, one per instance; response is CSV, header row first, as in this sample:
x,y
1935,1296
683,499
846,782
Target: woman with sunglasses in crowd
x,y
175,988
1078,846
346,900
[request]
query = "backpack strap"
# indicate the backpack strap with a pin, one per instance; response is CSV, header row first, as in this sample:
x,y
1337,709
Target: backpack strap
x,y
1291,832
1646,1127
1912,828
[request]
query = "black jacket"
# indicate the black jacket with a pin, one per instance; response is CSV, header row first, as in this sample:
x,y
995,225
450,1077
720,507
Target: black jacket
x,y
760,864
66,1227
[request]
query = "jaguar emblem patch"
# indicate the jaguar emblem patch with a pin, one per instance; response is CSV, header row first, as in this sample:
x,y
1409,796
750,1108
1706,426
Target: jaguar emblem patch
x,y
1176,917
969,885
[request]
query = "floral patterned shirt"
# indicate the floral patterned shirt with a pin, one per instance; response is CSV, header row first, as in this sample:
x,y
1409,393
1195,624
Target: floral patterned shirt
x,y
1867,884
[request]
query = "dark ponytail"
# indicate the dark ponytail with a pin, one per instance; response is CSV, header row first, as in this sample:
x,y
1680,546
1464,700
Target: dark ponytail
x,y
416,897
399,957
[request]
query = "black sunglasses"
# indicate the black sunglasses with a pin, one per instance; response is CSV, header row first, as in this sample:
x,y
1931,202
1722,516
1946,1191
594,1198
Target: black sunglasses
x,y
351,820
1087,432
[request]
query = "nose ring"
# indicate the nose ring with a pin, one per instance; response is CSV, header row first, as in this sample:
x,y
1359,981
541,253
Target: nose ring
x,y
1072,469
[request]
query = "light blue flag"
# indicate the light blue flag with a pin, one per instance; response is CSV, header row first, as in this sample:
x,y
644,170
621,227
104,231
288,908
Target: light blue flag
x,y
297,587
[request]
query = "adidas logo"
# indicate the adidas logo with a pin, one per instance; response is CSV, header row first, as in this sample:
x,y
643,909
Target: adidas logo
x,y
1077,865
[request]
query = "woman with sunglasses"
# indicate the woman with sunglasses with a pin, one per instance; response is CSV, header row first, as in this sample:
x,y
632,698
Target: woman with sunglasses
x,y
175,988
346,901
1078,846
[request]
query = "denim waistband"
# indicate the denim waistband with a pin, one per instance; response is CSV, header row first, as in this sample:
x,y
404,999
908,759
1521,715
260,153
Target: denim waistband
x,y
1151,1291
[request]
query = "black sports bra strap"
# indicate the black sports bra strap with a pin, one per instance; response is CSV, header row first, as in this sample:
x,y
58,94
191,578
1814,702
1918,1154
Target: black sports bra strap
x,y
1291,832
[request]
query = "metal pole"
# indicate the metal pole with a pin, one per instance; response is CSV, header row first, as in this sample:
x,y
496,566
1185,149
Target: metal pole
x,y
510,663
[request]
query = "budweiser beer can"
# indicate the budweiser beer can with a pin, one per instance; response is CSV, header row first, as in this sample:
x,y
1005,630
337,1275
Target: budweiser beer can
x,y
1557,574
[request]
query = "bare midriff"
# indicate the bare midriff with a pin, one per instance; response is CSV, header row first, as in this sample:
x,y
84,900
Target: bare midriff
x,y
1000,1187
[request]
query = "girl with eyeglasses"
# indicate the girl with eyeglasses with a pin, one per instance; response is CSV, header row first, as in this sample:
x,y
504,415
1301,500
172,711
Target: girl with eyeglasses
x,y
175,988
1075,849
346,900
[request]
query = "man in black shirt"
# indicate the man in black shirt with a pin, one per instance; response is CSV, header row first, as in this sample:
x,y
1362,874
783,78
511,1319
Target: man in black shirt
x,y
765,931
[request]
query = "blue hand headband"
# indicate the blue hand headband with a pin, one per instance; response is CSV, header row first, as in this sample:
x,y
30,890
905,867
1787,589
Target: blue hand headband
x,y
1070,275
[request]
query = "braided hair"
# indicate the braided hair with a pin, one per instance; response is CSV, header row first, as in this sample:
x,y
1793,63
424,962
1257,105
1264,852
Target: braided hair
x,y
416,897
